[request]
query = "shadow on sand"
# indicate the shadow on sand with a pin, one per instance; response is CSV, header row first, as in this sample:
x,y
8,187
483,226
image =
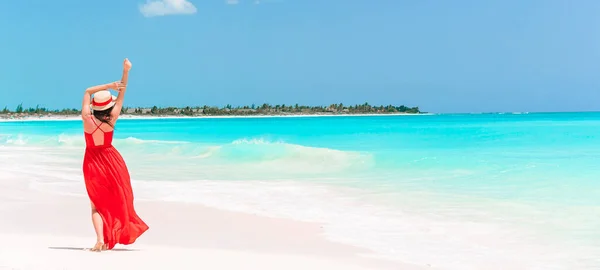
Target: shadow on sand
x,y
87,249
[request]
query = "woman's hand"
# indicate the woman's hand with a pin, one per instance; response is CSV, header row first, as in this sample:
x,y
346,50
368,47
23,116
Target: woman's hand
x,y
126,65
116,86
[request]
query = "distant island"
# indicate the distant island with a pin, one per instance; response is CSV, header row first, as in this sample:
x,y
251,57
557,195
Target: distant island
x,y
228,110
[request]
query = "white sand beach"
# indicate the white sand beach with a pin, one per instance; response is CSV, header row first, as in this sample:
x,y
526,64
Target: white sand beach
x,y
47,231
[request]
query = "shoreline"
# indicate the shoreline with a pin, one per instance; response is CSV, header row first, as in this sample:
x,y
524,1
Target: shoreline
x,y
33,118
3,118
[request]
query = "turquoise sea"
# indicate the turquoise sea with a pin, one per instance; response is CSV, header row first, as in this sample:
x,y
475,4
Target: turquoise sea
x,y
456,191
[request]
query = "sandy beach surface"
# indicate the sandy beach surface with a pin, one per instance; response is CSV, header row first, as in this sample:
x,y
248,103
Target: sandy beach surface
x,y
47,231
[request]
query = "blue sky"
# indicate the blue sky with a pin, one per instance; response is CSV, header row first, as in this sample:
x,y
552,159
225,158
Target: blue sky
x,y
444,56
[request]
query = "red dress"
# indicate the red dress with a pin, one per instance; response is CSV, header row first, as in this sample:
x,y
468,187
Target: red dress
x,y
108,185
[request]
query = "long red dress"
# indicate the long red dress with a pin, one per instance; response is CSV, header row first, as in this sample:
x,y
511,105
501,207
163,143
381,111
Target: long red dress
x,y
108,185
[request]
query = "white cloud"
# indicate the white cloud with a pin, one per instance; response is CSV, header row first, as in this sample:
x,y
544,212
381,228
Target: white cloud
x,y
167,7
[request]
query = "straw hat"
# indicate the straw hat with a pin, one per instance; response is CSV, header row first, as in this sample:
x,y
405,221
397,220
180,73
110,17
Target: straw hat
x,y
103,100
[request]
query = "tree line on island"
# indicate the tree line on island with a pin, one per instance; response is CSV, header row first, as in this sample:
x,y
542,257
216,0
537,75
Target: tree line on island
x,y
264,109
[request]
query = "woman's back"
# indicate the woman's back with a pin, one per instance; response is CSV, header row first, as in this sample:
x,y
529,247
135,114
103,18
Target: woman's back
x,y
97,134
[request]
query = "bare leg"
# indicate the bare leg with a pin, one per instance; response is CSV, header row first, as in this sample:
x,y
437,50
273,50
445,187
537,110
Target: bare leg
x,y
99,228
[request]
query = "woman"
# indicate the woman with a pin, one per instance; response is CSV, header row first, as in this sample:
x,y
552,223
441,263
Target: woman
x,y
106,176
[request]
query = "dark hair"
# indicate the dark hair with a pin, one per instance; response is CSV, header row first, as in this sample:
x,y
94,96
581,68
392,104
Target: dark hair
x,y
105,115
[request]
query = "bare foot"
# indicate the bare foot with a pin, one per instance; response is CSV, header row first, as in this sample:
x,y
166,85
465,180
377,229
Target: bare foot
x,y
99,246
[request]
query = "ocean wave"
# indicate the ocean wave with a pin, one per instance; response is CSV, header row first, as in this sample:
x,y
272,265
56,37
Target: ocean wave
x,y
70,140
14,140
41,140
134,140
268,150
255,156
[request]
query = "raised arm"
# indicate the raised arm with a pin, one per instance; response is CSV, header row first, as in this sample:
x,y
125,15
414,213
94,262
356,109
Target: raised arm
x,y
121,96
87,96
